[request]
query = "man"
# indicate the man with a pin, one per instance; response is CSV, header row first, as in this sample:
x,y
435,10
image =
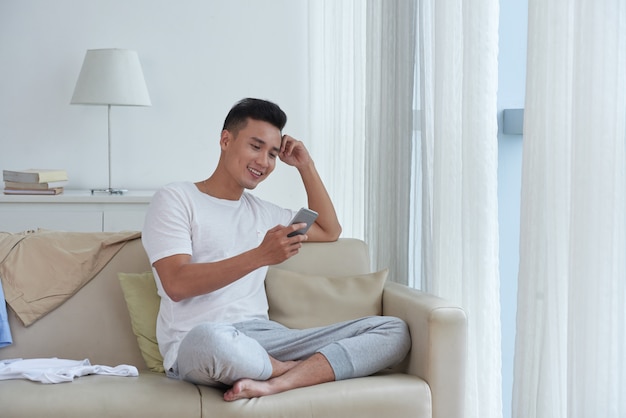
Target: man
x,y
210,244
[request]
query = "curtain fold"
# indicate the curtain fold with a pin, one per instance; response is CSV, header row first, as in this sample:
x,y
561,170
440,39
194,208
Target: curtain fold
x,y
571,326
390,57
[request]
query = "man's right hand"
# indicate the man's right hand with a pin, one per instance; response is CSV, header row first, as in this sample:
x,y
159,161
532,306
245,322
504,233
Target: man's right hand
x,y
278,247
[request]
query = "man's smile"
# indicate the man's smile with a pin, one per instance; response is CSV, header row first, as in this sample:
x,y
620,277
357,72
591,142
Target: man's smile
x,y
255,172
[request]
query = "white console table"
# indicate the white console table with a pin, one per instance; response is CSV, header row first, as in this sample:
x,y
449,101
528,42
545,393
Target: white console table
x,y
75,211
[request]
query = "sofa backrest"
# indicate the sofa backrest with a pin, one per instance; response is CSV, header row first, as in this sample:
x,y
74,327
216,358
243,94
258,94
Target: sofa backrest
x,y
340,258
95,323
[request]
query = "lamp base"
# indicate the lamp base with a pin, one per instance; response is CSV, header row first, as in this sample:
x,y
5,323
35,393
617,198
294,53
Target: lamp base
x,y
109,191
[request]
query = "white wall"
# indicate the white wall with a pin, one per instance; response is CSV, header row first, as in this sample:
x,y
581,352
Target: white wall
x,y
199,57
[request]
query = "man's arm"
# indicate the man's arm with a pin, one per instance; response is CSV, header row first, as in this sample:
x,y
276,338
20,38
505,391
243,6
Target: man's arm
x,y
326,226
183,279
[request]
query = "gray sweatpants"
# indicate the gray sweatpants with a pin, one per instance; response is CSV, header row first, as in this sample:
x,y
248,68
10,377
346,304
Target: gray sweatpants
x,y
220,354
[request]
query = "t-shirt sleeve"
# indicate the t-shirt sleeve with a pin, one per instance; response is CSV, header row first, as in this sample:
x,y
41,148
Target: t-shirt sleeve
x,y
167,226
273,214
285,216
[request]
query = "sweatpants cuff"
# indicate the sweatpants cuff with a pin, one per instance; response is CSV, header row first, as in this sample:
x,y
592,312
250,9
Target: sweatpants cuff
x,y
339,359
267,370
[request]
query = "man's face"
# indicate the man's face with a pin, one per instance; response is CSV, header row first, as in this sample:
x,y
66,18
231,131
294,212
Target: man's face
x,y
251,155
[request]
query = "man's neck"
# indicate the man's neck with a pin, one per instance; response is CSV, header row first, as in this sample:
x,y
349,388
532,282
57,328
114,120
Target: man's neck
x,y
217,188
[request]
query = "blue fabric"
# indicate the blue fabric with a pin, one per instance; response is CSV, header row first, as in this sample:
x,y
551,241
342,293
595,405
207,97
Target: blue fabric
x,y
5,331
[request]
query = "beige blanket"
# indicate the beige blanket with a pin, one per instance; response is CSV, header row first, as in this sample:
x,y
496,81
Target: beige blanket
x,y
42,269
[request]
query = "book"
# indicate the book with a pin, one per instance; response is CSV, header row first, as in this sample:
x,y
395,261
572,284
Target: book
x,y
33,175
56,190
35,186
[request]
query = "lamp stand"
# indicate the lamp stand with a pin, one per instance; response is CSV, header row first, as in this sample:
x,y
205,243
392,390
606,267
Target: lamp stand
x,y
109,190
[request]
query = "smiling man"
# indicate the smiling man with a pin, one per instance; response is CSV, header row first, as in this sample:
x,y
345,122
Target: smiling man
x,y
210,244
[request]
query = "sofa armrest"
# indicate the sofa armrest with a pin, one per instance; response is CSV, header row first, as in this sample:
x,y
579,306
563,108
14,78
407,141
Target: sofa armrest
x,y
439,344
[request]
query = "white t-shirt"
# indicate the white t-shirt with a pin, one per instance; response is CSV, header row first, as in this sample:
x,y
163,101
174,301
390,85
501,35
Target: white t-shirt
x,y
183,220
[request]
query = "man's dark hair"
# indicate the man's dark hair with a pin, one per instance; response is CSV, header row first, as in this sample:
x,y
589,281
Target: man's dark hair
x,y
256,109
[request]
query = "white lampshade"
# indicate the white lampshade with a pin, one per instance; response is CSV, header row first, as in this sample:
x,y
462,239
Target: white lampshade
x,y
111,77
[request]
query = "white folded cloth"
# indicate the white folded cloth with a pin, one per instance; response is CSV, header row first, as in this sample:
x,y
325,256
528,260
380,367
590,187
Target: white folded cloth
x,y
55,370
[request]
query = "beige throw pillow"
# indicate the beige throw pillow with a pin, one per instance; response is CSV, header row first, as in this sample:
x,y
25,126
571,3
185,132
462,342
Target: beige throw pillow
x,y
300,301
143,303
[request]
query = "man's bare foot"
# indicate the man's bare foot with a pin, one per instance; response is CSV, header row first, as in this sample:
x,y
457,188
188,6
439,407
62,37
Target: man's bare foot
x,y
248,388
311,371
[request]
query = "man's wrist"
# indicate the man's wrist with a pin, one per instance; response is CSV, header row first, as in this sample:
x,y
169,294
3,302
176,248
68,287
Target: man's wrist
x,y
255,258
309,167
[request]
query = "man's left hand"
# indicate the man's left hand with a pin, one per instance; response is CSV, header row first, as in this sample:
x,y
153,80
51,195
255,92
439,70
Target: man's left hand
x,y
293,152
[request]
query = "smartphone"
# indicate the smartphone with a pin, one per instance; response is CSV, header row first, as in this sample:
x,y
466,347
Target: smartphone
x,y
304,215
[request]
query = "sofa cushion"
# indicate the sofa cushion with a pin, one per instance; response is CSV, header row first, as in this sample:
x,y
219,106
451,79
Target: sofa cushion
x,y
381,395
299,300
143,302
147,395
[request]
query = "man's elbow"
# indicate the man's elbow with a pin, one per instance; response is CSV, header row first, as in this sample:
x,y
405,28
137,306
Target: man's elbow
x,y
173,288
324,235
334,234
337,233
174,293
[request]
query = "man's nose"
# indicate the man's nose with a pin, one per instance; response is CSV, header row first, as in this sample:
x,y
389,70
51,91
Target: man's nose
x,y
263,159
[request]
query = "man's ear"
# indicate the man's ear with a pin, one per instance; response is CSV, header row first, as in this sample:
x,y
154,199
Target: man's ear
x,y
225,139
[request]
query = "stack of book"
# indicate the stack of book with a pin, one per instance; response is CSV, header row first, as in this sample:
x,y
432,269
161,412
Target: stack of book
x,y
34,181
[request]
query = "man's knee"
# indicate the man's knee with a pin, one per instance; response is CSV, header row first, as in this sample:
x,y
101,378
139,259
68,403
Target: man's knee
x,y
396,334
401,335
208,338
212,353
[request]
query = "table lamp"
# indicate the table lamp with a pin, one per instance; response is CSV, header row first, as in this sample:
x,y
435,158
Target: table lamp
x,y
111,77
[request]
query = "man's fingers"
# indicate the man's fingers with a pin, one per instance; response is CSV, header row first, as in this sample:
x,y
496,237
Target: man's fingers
x,y
283,143
286,230
276,228
294,227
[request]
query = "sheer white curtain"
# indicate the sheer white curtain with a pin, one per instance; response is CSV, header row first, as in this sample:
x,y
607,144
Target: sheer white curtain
x,y
458,172
570,358
337,45
452,63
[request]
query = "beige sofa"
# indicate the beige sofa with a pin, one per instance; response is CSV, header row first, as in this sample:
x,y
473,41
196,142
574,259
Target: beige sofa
x,y
94,324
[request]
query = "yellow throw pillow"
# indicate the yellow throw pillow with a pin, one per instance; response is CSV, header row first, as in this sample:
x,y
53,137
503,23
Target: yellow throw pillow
x,y
300,301
143,303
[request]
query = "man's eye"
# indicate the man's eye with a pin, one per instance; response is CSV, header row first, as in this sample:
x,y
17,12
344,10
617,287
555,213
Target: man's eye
x,y
273,156
256,147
